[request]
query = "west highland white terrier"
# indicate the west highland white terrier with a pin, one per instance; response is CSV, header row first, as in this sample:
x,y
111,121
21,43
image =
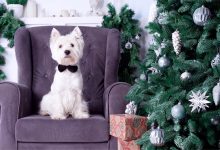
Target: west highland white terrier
x,y
65,97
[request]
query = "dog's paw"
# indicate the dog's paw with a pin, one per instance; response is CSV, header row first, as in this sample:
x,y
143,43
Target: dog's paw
x,y
81,116
58,117
43,113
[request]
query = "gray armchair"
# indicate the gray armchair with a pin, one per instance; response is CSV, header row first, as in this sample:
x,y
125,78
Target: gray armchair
x,y
21,128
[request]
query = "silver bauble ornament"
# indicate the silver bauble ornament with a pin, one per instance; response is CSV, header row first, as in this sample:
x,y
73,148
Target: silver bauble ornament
x,y
178,111
143,77
128,45
201,16
157,137
164,62
216,61
163,18
216,94
185,76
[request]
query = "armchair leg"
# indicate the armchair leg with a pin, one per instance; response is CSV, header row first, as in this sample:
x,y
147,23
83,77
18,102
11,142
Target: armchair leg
x,y
113,143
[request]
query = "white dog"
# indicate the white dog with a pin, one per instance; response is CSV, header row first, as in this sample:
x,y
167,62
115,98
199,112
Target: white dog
x,y
65,97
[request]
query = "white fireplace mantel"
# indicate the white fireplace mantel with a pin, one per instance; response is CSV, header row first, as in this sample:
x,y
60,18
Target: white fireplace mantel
x,y
63,21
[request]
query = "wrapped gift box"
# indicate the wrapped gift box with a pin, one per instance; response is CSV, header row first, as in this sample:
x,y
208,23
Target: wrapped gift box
x,y
127,145
127,127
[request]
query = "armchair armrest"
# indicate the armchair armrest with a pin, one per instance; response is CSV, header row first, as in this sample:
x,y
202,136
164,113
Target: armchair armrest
x,y
14,104
114,97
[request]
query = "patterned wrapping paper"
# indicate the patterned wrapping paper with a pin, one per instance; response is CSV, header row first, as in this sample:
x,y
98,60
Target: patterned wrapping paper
x,y
127,145
127,127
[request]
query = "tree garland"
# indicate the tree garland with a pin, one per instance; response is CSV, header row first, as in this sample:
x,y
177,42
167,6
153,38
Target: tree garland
x,y
129,28
8,26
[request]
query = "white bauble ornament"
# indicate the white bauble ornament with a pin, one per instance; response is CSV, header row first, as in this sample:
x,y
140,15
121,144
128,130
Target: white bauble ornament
x,y
185,76
201,16
128,45
178,111
157,137
216,94
164,62
131,108
176,42
143,77
216,61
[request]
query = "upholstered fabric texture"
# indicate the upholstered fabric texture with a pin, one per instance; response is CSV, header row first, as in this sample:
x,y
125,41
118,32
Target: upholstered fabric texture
x,y
93,129
22,129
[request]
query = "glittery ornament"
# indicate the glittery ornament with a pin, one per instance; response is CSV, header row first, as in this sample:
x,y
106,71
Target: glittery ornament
x,y
176,42
131,108
157,137
164,62
178,111
163,18
216,94
185,76
201,16
128,45
216,61
199,101
143,77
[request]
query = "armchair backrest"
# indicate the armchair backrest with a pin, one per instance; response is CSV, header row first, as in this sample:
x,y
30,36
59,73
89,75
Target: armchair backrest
x,y
99,64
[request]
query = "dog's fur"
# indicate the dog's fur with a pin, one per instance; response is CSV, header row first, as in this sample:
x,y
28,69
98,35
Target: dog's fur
x,y
65,97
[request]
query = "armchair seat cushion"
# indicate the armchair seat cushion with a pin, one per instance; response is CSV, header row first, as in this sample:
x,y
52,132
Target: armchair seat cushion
x,y
43,129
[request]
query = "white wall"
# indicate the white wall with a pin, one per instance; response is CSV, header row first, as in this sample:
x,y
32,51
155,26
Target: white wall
x,y
141,8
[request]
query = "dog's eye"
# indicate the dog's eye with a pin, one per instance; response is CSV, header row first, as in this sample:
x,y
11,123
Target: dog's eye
x,y
60,46
72,45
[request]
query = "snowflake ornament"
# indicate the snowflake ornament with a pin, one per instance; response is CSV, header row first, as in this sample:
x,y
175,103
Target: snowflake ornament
x,y
131,108
199,101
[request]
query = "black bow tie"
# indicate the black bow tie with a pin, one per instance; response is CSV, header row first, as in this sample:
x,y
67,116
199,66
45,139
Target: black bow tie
x,y
72,69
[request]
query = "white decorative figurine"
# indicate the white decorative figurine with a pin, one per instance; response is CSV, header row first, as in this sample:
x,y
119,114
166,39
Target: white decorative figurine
x,y
64,13
96,7
131,108
74,13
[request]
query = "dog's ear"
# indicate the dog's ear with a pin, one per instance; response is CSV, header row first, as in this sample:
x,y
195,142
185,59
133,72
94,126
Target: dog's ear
x,y
77,32
55,34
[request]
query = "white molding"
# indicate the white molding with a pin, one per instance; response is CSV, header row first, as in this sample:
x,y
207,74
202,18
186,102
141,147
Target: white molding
x,y
65,21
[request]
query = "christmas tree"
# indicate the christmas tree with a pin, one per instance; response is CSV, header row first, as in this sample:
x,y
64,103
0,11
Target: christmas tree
x,y
130,34
181,92
8,26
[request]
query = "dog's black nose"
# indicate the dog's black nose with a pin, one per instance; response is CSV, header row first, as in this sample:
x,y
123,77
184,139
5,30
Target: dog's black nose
x,y
67,52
